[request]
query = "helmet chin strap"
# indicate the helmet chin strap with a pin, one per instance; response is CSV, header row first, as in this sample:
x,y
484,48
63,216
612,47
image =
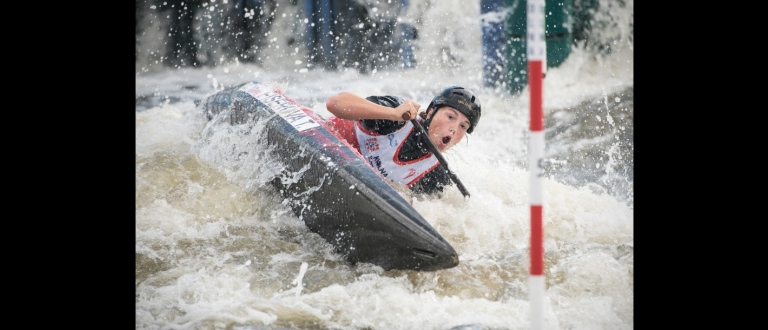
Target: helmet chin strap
x,y
428,118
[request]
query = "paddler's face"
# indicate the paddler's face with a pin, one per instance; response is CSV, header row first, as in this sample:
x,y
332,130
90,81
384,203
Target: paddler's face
x,y
447,128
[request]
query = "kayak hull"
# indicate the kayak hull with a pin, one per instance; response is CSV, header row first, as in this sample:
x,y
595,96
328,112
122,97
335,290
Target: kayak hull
x,y
331,187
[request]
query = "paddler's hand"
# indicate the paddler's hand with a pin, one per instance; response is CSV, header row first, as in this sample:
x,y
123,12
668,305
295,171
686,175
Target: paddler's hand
x,y
408,110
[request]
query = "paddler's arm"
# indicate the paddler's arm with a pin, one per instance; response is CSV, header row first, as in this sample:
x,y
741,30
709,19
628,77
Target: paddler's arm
x,y
349,106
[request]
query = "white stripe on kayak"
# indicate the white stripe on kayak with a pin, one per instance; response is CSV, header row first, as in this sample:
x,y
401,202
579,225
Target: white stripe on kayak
x,y
281,106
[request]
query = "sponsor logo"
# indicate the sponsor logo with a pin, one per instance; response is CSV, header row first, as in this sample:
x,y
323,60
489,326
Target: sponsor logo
x,y
469,107
371,144
282,106
392,141
411,172
375,161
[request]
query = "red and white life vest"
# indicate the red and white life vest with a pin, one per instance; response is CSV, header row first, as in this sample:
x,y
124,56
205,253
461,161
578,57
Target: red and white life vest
x,y
382,153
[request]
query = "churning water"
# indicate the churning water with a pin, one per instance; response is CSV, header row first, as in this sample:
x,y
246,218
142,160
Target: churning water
x,y
217,249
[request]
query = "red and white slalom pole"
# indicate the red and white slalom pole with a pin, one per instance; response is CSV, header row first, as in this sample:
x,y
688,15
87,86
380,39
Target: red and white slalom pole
x,y
537,60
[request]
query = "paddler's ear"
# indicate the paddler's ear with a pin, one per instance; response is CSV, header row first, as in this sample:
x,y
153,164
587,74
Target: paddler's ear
x,y
426,113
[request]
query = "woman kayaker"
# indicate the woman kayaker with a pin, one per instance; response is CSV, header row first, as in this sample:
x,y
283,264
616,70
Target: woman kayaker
x,y
375,127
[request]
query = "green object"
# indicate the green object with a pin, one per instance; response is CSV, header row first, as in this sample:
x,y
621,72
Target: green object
x,y
558,32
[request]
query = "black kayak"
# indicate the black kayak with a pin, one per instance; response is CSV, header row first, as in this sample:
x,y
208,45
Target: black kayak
x,y
333,189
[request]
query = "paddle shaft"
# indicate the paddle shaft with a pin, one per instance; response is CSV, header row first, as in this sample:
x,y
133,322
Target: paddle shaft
x,y
443,163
